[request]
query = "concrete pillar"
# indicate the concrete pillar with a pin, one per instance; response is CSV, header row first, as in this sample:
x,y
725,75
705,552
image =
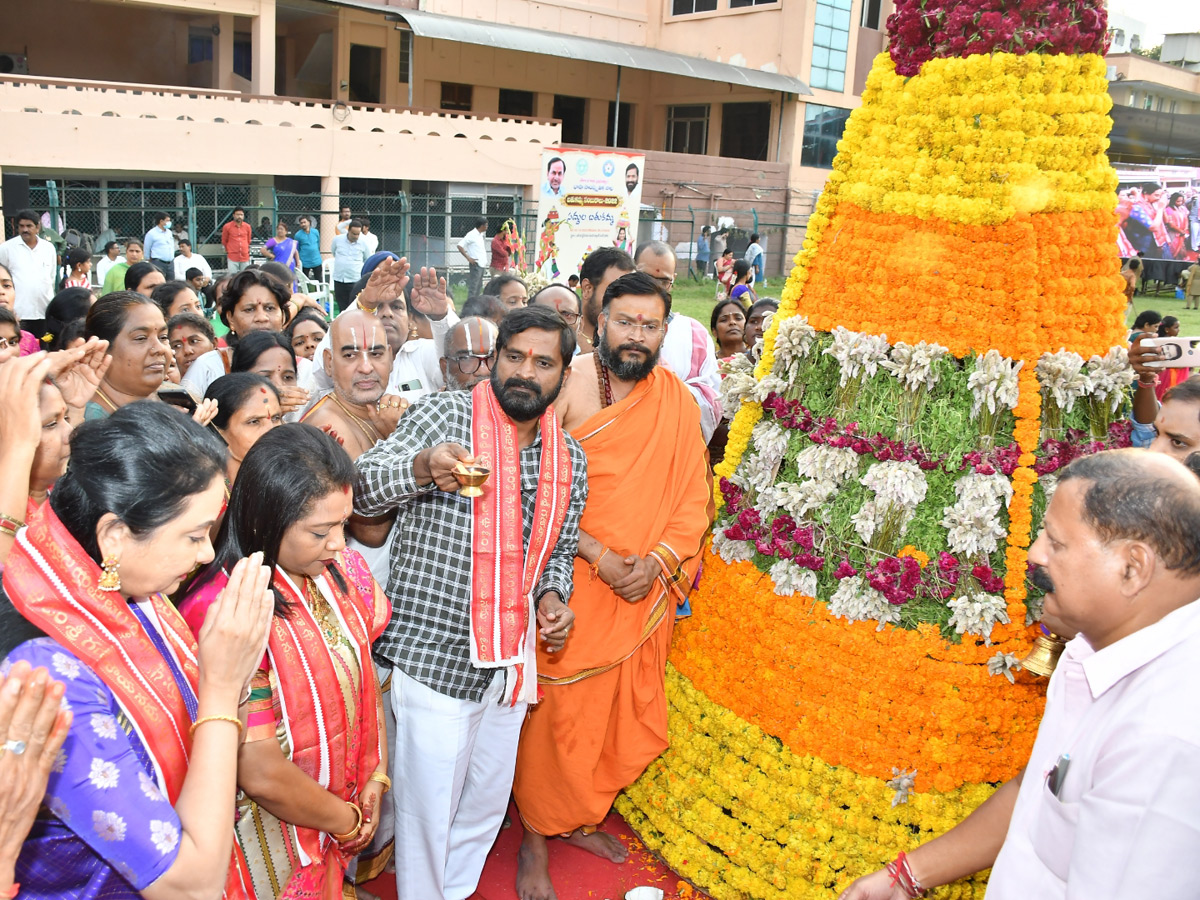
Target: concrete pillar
x,y
262,49
331,189
223,54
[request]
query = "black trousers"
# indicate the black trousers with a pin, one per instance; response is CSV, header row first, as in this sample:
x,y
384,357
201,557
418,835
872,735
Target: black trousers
x,y
341,294
313,272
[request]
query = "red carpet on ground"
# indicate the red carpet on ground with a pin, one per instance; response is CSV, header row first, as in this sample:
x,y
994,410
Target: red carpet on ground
x,y
577,874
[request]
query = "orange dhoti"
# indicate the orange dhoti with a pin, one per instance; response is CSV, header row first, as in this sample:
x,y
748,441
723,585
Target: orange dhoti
x,y
603,714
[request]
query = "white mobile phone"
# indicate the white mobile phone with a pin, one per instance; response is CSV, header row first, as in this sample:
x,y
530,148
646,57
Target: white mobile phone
x,y
1174,352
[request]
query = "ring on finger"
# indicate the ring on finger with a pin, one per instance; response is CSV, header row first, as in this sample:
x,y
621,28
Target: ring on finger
x,y
16,747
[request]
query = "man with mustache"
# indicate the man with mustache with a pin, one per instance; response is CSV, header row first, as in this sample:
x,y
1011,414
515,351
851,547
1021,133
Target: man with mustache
x,y
603,714
1108,805
476,584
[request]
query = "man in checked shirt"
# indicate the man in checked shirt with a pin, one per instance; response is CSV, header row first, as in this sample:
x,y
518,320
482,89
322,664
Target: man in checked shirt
x,y
476,585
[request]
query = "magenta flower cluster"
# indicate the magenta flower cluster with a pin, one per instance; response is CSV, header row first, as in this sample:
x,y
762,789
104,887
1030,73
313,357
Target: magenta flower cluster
x,y
920,30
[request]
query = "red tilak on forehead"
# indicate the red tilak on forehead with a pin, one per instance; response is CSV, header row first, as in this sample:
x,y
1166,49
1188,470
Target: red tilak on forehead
x,y
640,317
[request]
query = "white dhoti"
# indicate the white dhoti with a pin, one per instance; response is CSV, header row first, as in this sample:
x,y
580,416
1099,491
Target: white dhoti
x,y
452,764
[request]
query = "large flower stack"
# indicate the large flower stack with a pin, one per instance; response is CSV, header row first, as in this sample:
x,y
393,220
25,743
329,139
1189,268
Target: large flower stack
x,y
950,337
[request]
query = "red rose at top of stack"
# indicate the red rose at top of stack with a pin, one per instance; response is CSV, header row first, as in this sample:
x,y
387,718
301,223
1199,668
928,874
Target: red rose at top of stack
x,y
920,30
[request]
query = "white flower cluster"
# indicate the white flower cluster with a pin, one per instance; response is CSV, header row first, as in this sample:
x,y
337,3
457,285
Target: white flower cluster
x,y
994,383
857,601
899,488
858,354
821,470
912,364
977,613
772,384
737,382
770,443
792,579
729,550
793,341
1109,376
973,523
1062,378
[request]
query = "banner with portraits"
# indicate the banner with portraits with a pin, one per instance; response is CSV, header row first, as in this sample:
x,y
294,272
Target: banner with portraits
x,y
587,199
1158,213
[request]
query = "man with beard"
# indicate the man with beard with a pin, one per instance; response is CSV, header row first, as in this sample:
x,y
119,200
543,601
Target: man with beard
x,y
603,714
469,353
599,269
1108,804
475,585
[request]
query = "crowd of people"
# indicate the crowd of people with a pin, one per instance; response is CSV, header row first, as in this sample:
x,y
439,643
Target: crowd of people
x,y
291,607
258,641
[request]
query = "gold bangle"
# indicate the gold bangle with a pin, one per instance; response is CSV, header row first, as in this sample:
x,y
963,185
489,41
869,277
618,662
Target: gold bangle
x,y
382,779
353,832
7,529
11,525
234,719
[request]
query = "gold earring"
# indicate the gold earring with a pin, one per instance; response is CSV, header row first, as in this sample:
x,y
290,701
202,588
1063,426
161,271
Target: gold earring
x,y
413,332
110,578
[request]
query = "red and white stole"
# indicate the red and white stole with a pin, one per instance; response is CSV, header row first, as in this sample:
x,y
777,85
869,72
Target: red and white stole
x,y
53,583
504,573
318,725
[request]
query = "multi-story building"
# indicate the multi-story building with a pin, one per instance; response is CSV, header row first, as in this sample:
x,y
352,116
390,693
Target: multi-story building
x,y
737,104
1156,109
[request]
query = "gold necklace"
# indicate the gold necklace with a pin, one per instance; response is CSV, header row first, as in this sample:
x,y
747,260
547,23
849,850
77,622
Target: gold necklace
x,y
105,400
323,613
372,434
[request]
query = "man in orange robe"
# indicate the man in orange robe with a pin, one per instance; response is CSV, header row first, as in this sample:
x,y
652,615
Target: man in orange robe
x,y
603,714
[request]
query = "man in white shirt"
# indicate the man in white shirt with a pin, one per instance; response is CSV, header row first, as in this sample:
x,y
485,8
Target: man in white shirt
x,y
371,240
349,254
112,256
687,348
474,249
31,261
188,260
343,223
1108,805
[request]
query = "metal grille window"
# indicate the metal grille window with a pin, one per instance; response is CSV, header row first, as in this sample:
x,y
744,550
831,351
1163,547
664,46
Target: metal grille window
x,y
405,55
831,37
823,127
687,129
738,4
687,7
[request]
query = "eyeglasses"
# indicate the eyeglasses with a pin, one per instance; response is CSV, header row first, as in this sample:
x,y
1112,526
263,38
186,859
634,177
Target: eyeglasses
x,y
650,329
666,282
469,363
569,318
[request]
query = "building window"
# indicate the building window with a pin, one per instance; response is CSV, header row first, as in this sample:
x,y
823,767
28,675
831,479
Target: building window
x,y
745,130
687,129
738,4
405,55
823,127
687,7
831,37
624,124
870,13
243,55
571,112
200,46
456,96
1148,103
516,103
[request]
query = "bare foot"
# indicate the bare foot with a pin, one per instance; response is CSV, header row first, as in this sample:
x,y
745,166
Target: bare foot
x,y
603,845
533,869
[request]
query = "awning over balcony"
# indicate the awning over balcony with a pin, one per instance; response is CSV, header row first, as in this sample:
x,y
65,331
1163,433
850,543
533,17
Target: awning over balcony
x,y
530,40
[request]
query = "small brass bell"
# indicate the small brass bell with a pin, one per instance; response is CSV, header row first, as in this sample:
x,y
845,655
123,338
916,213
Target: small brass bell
x,y
1047,648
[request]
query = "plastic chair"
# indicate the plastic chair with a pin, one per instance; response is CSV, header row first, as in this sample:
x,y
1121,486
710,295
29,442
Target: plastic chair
x,y
318,291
